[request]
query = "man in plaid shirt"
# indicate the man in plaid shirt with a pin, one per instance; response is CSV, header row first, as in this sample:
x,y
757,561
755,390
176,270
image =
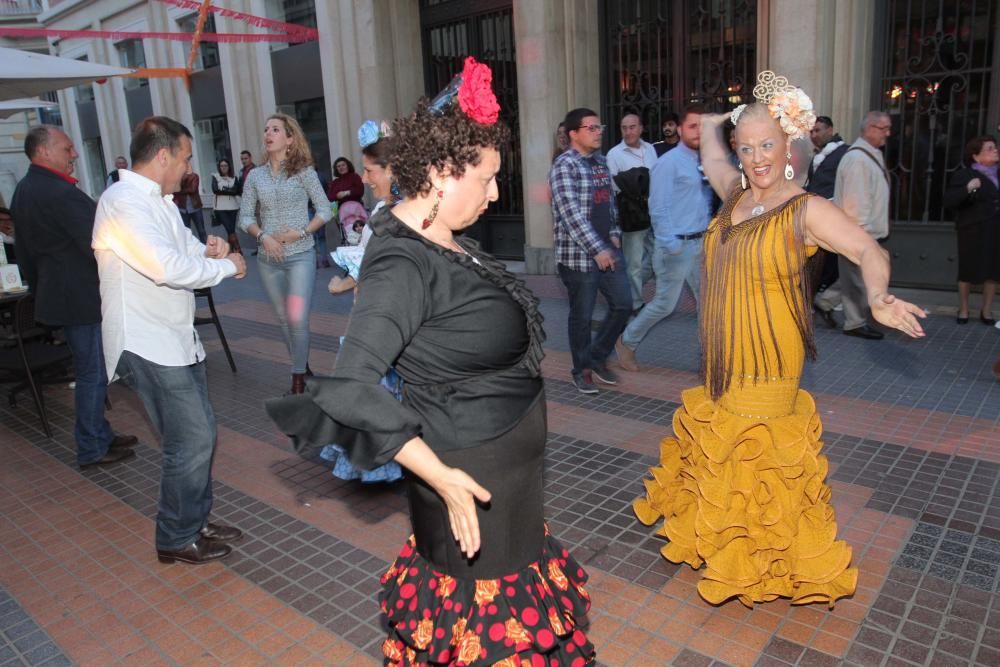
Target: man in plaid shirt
x,y
587,242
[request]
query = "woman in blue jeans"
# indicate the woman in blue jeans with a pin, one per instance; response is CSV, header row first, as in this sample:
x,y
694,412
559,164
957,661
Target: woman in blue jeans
x,y
274,210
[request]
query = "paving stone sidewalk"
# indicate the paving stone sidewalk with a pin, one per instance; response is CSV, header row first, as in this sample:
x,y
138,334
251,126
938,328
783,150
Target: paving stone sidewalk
x,y
912,435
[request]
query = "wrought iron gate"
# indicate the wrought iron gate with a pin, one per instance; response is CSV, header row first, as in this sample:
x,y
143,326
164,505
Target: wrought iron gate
x,y
937,74
452,30
661,55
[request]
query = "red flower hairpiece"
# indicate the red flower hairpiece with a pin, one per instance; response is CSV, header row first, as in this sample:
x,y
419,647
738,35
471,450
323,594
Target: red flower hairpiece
x,y
475,95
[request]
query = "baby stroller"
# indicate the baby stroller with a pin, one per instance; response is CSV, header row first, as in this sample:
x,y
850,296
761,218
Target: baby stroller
x,y
352,220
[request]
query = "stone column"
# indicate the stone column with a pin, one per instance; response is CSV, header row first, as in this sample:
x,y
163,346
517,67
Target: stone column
x,y
372,64
558,69
826,48
247,84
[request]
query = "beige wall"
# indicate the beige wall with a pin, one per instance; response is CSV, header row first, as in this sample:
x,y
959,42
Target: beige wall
x,y
825,47
558,69
372,64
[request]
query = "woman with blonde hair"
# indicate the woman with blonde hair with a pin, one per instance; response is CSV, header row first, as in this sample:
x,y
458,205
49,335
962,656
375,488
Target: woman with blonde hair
x,y
741,485
274,210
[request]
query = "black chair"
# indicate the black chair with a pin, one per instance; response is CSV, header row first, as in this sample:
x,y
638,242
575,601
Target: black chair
x,y
206,293
31,361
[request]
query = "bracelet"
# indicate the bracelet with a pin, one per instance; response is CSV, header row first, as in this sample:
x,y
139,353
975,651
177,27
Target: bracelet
x,y
303,233
260,236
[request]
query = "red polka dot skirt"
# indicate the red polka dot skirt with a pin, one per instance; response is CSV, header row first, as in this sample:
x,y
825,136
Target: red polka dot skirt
x,y
525,619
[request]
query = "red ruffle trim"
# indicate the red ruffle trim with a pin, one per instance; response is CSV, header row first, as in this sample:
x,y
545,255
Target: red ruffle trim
x,y
529,618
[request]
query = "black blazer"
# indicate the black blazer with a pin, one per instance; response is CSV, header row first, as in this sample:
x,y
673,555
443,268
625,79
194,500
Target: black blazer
x,y
971,208
822,181
55,222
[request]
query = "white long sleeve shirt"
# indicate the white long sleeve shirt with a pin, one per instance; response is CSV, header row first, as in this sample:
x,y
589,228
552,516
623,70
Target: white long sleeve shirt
x,y
623,157
149,264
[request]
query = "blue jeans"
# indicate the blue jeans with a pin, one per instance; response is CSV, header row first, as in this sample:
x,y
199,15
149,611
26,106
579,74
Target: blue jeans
x,y
638,250
92,431
583,287
289,286
672,267
176,400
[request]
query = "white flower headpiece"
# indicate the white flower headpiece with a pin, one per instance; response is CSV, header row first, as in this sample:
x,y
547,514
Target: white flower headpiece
x,y
787,104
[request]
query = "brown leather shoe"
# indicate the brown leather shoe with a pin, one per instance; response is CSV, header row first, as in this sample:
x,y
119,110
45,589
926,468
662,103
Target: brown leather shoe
x,y
626,356
123,442
203,550
112,456
298,383
220,533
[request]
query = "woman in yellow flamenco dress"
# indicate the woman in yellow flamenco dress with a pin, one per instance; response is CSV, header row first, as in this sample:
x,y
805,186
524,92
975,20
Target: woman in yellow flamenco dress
x,y
741,484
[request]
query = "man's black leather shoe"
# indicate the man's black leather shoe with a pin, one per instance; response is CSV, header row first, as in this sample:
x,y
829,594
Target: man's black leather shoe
x,y
201,551
123,442
112,456
865,331
220,533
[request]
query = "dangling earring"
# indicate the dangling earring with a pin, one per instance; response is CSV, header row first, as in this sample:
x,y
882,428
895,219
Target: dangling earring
x,y
394,190
743,177
429,220
789,172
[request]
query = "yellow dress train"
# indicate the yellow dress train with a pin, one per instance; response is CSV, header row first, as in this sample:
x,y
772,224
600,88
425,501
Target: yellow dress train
x,y
741,484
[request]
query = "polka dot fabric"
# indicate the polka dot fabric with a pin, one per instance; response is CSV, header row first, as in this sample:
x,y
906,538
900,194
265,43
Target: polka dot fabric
x,y
526,619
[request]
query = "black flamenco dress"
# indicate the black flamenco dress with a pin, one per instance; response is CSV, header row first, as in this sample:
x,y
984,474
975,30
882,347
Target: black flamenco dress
x,y
466,337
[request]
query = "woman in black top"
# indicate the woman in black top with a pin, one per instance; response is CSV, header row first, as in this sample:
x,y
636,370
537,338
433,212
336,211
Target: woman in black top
x,y
480,582
975,198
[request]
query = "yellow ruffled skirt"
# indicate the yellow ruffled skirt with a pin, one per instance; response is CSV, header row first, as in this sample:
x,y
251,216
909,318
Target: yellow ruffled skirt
x,y
747,497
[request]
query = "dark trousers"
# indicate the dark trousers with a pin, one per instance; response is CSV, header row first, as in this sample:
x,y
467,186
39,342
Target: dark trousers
x,y
195,221
176,400
92,431
583,287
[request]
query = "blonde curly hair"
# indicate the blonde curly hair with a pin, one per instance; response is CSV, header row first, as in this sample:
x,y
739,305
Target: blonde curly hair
x,y
299,156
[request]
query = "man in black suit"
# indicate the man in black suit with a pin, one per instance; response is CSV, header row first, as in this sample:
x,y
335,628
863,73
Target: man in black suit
x,y
55,222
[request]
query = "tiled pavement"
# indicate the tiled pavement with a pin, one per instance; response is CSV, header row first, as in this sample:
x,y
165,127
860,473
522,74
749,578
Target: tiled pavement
x,y
911,432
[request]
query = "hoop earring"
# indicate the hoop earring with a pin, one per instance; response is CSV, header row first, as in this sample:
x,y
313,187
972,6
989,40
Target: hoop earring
x,y
789,172
743,177
429,220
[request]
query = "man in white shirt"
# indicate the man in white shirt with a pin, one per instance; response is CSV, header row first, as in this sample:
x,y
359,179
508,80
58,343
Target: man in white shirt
x,y
862,190
637,235
150,265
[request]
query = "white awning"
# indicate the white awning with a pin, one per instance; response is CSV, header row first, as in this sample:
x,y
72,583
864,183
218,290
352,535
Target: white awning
x,y
10,107
27,74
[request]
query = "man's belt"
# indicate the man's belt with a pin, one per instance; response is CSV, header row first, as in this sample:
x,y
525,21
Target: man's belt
x,y
690,237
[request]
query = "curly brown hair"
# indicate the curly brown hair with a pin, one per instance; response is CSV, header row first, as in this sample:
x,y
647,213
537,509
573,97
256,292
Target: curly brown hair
x,y
424,140
299,156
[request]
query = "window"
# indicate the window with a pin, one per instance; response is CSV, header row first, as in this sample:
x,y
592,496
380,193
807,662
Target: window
x,y
211,136
50,115
299,12
311,115
93,154
208,52
85,91
131,54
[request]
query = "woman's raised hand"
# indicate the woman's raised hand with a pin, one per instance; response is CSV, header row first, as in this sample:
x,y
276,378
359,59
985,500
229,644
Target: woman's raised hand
x,y
898,314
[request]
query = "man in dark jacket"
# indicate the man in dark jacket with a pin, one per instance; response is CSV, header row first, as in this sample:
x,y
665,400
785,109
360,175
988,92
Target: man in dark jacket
x,y
55,222
821,178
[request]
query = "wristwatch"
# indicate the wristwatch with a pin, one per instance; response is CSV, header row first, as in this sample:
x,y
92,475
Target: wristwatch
x,y
302,233
260,236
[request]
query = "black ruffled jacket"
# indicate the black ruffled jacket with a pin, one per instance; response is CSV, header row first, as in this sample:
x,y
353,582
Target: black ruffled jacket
x,y
466,338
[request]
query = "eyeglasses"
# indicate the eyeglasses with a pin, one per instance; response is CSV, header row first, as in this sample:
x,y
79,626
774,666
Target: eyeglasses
x,y
883,128
593,128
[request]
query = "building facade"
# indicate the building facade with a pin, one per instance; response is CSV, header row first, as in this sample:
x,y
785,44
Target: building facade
x,y
932,66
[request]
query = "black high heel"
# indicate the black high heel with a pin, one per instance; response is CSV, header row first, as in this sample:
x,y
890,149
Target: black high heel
x,y
986,320
962,320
